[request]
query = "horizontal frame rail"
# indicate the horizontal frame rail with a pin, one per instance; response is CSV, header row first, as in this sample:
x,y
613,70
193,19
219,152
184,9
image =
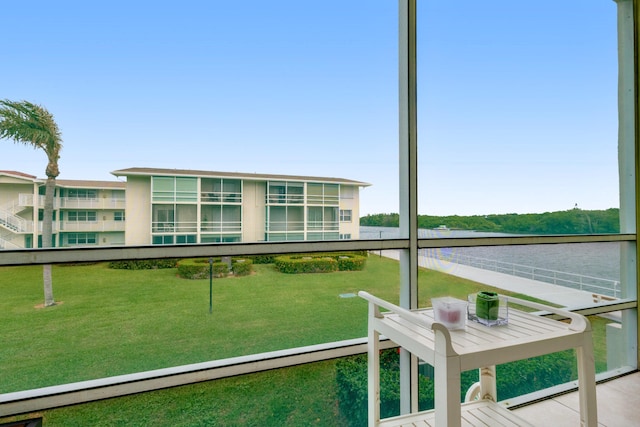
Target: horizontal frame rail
x,y
66,255
87,391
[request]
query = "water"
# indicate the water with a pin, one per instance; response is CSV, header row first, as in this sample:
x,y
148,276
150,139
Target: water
x,y
601,260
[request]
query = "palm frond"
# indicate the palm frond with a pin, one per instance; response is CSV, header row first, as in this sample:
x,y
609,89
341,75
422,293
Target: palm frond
x,y
31,124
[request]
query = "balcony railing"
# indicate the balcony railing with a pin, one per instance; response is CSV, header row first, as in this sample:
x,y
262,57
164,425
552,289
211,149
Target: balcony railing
x,y
174,227
220,226
92,226
284,199
97,203
220,197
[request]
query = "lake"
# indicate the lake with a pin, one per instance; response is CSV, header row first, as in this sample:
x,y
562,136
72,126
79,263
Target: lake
x,y
601,260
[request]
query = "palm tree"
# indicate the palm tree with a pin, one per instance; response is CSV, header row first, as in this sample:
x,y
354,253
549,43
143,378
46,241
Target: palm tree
x,y
32,124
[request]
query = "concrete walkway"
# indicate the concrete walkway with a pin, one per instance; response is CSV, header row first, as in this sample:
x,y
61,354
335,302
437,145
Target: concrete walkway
x,y
566,297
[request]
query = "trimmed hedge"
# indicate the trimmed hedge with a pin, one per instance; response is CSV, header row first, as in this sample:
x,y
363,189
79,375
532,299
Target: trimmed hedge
x,y
305,264
242,267
199,268
351,377
513,379
319,263
144,264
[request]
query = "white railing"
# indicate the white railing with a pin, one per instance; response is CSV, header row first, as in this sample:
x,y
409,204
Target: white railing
x,y
91,226
15,223
28,200
97,203
5,244
562,278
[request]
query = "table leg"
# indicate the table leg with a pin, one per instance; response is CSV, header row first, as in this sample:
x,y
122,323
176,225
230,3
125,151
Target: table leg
x,y
488,388
447,383
587,384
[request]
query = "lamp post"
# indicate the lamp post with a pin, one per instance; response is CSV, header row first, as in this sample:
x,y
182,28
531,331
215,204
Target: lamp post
x,y
210,285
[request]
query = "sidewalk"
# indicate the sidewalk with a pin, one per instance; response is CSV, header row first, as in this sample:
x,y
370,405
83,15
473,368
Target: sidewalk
x,y
556,294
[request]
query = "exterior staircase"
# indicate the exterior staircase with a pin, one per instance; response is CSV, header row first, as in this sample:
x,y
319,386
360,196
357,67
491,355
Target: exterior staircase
x,y
10,221
6,244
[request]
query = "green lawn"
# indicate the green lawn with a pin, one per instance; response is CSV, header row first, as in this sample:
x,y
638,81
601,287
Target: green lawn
x,y
113,322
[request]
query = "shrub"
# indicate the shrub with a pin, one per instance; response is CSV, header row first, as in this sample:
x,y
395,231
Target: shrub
x,y
263,259
351,378
350,262
199,268
242,267
513,379
305,264
319,263
144,264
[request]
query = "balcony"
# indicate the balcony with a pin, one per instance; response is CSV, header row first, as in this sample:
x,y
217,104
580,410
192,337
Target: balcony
x,y
95,226
97,203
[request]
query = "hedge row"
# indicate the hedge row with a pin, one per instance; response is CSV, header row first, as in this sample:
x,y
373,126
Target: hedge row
x,y
199,268
319,263
351,377
144,264
513,379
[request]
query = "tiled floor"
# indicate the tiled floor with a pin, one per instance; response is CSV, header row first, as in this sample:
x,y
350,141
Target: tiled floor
x,y
618,406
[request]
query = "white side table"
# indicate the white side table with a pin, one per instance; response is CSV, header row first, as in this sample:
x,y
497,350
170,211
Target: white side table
x,y
475,347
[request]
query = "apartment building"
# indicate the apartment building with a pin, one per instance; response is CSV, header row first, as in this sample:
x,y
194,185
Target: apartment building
x,y
169,206
85,212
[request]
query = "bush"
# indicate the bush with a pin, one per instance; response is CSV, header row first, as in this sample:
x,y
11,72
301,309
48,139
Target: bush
x,y
262,259
349,262
199,268
351,378
144,264
305,264
319,263
242,267
513,379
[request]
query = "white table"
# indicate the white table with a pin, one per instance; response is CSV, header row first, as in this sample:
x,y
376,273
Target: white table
x,y
475,347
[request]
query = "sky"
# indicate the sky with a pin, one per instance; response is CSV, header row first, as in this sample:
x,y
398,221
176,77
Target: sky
x,y
517,101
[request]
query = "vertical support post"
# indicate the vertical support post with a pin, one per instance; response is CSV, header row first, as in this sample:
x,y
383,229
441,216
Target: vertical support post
x,y
373,367
408,180
628,149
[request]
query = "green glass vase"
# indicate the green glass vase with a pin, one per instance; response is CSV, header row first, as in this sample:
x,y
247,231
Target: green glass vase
x,y
487,305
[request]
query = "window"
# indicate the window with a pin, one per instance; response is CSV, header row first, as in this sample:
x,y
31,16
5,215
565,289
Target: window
x,y
118,216
82,193
345,215
162,240
280,192
81,239
185,238
219,190
174,189
163,218
323,194
84,216
285,214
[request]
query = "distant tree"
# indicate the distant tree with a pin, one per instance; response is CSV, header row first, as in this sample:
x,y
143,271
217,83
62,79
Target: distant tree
x,y
31,124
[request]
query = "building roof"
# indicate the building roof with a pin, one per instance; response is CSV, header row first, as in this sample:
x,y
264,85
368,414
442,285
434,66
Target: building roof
x,y
18,174
68,183
238,175
79,183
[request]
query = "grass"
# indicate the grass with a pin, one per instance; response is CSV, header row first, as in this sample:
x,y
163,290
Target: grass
x,y
113,322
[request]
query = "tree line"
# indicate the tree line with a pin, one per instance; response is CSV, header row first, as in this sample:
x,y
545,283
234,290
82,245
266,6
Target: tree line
x,y
573,221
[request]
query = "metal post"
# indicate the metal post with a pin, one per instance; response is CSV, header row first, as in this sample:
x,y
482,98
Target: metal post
x,y
210,285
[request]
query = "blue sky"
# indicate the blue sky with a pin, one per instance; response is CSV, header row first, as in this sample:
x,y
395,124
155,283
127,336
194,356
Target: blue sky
x,y
517,100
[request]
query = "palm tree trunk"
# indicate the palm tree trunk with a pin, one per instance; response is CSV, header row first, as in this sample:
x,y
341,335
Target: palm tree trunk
x,y
47,239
